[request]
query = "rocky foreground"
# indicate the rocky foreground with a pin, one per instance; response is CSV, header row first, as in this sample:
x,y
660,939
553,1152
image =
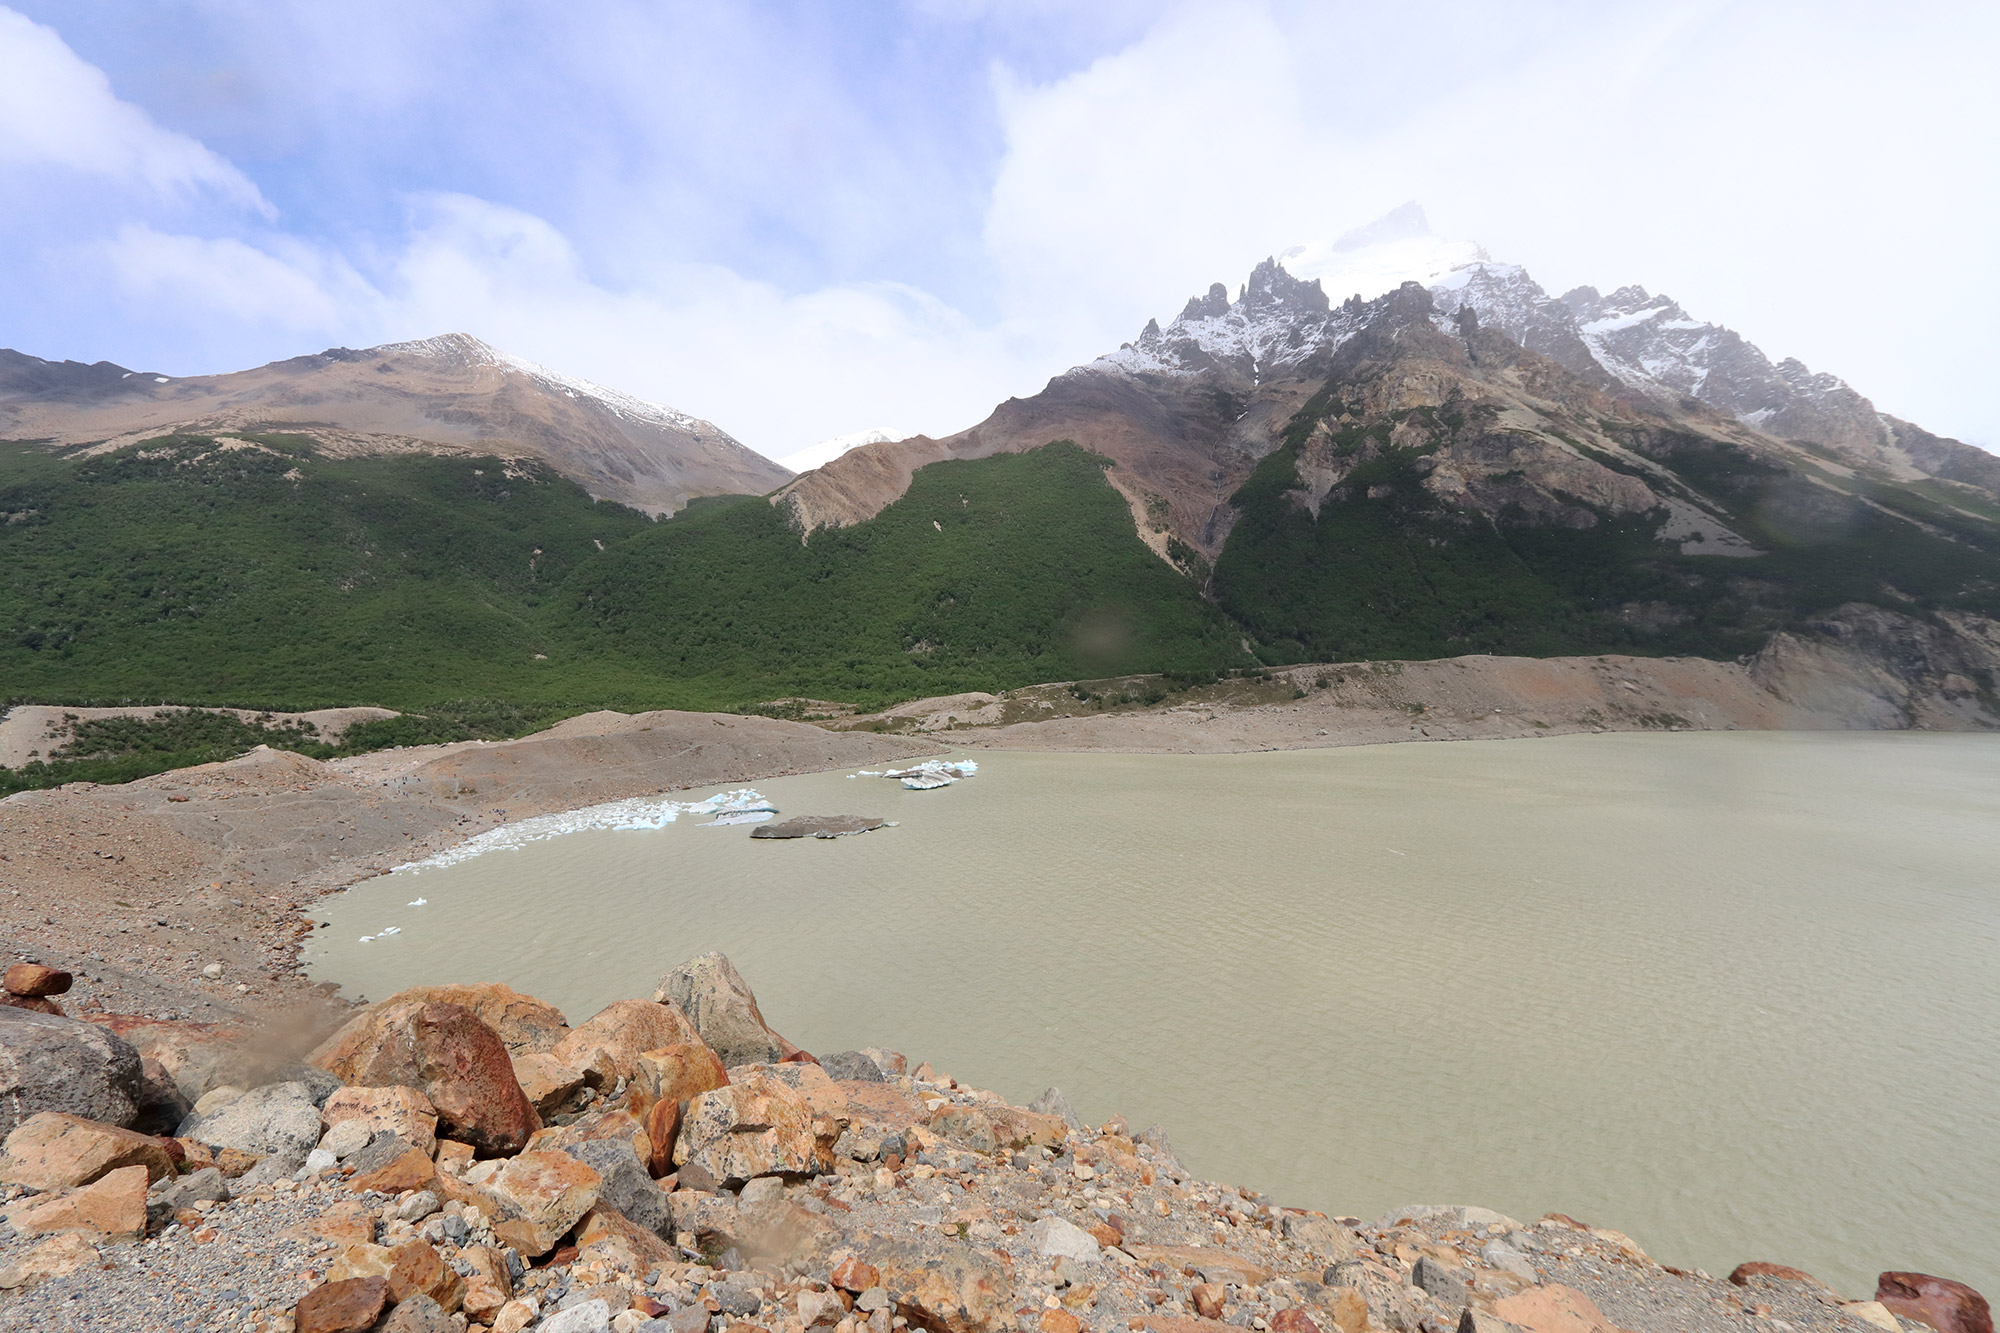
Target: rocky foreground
x,y
461,1158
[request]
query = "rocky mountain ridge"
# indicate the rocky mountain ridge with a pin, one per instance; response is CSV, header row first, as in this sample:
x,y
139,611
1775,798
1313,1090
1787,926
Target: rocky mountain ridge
x,y
450,394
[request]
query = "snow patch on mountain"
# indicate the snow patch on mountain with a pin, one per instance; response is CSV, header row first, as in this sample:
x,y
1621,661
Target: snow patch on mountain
x,y
464,350
819,455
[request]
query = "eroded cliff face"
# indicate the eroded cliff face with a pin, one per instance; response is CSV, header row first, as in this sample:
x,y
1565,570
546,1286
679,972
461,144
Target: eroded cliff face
x,y
1869,669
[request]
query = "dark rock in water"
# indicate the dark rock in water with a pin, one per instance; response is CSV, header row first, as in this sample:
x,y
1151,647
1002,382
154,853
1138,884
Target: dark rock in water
x,y
1947,1306
820,826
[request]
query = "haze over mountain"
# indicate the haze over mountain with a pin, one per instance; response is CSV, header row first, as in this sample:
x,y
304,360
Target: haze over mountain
x,y
446,394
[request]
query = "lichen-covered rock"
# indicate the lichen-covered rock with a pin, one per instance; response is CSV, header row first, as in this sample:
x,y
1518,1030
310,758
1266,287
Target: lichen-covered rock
x,y
404,1112
550,1191
718,1001
757,1126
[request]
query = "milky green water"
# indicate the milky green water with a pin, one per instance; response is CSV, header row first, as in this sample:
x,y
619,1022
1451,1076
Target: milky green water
x,y
1733,994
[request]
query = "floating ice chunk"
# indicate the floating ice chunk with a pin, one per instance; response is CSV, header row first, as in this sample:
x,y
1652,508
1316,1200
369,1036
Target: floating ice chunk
x,y
388,930
418,903
367,939
633,813
740,817
931,774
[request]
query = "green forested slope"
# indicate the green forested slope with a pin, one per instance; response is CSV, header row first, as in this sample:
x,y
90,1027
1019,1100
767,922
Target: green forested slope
x,y
274,577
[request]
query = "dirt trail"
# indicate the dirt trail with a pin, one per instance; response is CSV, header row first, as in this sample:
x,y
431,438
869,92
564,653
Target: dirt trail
x,y
136,888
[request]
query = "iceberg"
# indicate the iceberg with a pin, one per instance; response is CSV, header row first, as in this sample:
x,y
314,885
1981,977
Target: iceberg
x,y
418,903
636,812
929,775
739,817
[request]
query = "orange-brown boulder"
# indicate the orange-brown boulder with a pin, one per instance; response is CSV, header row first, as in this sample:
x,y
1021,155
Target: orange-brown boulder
x,y
404,1112
755,1127
114,1206
524,1023
1947,1306
350,1306
54,1150
547,1081
617,1034
449,1054
418,1270
34,981
551,1191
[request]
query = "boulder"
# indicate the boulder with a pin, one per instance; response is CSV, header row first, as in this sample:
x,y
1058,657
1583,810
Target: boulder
x,y
823,1096
1553,1308
718,1002
35,981
1016,1128
419,1314
49,1063
160,1106
605,1225
858,1066
404,1112
1052,1102
524,1023
168,1197
349,1306
551,1191
58,1256
1447,1286
279,1118
548,1083
1155,1137
955,1289
591,1316
114,1206
620,1031
52,1150
757,1126
676,1073
1326,1240
1947,1306
617,1124
448,1053
663,1130
417,1269
1054,1238
1743,1273
32,1003
625,1184
489,1286
391,1164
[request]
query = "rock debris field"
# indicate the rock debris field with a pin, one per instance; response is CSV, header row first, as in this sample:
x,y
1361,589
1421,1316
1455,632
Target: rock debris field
x,y
463,1158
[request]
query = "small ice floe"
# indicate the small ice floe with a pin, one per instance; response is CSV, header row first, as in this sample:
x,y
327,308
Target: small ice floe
x,y
418,903
367,939
931,774
739,817
388,930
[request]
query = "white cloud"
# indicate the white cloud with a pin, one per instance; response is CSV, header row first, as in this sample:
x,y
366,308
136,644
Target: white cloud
x,y
58,110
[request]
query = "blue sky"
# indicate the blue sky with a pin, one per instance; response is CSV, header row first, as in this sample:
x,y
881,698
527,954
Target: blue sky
x,y
801,220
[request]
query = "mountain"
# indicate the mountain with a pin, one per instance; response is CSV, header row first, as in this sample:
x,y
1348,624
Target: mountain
x,y
452,394
824,452
1466,464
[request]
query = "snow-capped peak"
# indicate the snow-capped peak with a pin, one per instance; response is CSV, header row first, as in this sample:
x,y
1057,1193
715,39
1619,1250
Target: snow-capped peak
x,y
464,350
819,455
1396,248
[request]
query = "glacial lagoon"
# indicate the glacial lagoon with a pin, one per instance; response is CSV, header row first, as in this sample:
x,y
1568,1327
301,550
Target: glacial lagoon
x,y
1732,994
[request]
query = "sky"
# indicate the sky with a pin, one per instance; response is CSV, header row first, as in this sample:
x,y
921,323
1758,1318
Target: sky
x,y
802,220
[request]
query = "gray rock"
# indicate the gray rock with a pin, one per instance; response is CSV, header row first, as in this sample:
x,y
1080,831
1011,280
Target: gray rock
x,y
347,1138
1444,1286
381,1150
873,1299
851,1065
420,1314
1155,1137
277,1118
761,1189
592,1316
52,1063
160,1106
687,1319
320,1085
1507,1259
1053,1238
626,1184
1329,1241
1054,1103
719,1003
273,1168
419,1206
170,1196
1474,1321
736,1299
